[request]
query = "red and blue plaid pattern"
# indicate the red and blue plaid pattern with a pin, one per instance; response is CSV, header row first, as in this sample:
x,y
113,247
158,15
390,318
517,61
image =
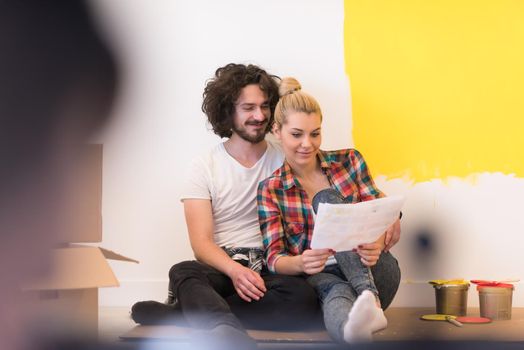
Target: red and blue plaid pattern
x,y
285,212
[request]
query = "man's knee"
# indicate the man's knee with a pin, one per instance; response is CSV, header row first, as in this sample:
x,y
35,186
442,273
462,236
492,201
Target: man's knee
x,y
184,270
180,273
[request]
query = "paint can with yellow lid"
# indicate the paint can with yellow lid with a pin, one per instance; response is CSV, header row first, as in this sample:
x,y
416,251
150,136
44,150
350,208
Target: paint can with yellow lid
x,y
451,296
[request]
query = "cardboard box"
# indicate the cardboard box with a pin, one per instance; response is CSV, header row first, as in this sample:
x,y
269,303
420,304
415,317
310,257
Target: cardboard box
x,y
67,299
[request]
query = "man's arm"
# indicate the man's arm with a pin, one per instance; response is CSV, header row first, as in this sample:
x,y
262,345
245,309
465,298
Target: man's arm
x,y
199,218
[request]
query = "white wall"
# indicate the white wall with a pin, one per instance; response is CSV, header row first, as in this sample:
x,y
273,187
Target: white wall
x,y
168,50
475,228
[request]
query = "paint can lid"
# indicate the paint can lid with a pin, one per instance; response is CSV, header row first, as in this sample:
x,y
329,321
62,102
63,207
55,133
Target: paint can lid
x,y
472,319
455,282
437,317
495,284
499,289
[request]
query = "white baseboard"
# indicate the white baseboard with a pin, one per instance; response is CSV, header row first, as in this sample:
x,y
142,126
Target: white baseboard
x,y
410,294
130,292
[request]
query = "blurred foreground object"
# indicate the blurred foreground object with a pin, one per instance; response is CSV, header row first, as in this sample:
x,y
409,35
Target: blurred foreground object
x,y
58,81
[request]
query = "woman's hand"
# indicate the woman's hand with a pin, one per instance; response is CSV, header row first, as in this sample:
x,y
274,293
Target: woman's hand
x,y
370,252
314,260
392,235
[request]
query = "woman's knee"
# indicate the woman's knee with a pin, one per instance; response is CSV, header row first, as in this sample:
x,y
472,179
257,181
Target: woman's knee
x,y
387,278
387,269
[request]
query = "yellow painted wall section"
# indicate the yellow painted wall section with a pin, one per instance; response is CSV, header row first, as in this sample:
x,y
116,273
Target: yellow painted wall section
x,y
437,85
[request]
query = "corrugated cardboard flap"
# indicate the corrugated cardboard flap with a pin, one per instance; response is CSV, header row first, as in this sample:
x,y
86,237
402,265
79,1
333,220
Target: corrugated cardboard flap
x,y
77,267
109,254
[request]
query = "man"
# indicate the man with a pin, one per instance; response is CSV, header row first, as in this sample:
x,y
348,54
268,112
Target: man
x,y
227,288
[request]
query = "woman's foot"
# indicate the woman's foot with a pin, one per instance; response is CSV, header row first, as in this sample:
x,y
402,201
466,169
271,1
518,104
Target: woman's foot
x,y
364,318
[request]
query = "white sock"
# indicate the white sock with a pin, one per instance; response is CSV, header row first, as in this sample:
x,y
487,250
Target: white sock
x,y
364,318
380,321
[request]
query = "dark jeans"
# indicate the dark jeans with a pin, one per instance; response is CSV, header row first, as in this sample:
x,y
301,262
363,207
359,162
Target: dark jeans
x,y
208,298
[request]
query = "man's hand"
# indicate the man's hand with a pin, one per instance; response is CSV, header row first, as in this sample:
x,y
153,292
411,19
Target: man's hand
x,y
248,284
314,260
370,252
392,235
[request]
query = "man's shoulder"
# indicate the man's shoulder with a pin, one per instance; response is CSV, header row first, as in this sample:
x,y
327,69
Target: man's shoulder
x,y
274,144
275,155
209,155
274,180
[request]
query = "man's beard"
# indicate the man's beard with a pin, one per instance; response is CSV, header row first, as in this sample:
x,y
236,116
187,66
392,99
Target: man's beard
x,y
253,138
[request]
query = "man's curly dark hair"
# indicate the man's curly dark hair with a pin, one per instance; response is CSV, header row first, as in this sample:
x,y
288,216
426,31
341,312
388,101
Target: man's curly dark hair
x,y
223,90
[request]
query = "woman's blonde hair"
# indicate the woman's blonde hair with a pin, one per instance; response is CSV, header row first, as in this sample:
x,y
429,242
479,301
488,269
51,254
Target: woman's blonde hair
x,y
293,99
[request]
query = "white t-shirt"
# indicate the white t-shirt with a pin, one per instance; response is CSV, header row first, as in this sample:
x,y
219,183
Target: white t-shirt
x,y
232,189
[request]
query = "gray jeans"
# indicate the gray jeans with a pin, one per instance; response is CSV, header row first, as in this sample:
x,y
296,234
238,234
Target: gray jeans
x,y
338,286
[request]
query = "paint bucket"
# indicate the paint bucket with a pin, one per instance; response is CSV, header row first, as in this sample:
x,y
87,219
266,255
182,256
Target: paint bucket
x,y
452,299
495,301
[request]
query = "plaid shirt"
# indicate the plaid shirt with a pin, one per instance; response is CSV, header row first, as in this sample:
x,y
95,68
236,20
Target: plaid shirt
x,y
285,212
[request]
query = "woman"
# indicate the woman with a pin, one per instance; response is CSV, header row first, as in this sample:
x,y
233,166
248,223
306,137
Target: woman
x,y
286,200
